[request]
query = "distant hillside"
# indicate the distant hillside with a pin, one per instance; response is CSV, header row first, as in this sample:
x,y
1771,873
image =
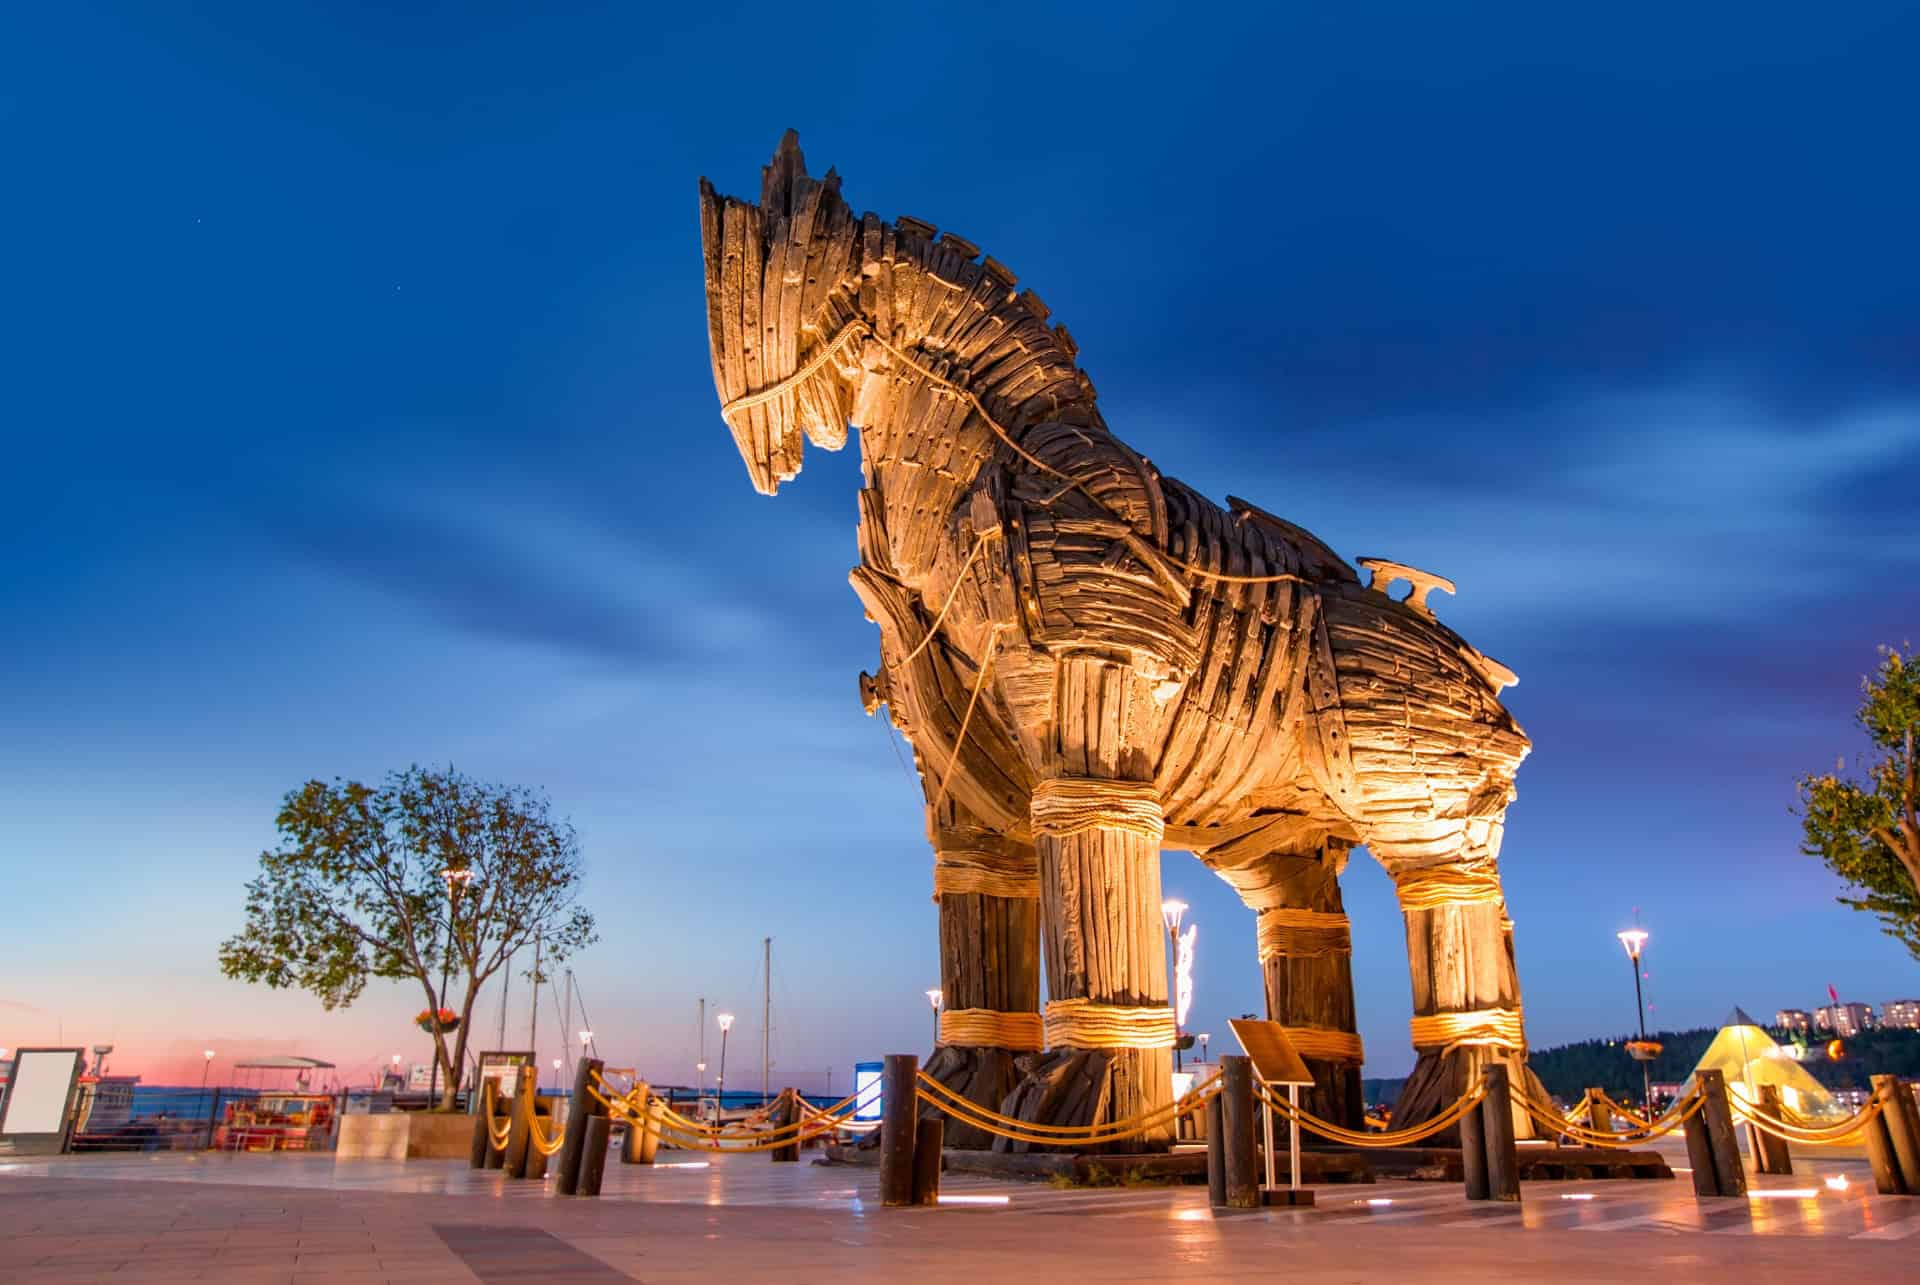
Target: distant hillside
x,y
1568,1070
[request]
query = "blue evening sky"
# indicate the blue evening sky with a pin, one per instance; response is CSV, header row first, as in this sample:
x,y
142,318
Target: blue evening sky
x,y
357,413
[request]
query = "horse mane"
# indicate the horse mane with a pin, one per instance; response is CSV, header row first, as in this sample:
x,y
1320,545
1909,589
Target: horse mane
x,y
925,290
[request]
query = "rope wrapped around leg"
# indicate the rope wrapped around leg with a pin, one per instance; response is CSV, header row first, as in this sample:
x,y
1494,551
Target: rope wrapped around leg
x,y
1324,1044
1303,934
1083,1024
1069,805
992,874
990,1028
1435,886
1488,1027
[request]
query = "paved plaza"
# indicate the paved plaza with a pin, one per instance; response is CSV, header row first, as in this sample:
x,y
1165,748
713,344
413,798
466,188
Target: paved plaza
x,y
282,1218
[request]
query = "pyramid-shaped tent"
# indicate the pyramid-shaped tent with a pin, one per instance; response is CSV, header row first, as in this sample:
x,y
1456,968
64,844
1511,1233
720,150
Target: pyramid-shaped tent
x,y
1748,1058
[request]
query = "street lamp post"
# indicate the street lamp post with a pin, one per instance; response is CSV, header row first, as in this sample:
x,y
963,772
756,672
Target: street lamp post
x,y
720,1083
1635,940
1170,911
935,998
557,1064
205,1066
396,1067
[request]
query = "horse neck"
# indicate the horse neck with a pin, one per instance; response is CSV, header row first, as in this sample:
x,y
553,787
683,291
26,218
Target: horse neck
x,y
970,356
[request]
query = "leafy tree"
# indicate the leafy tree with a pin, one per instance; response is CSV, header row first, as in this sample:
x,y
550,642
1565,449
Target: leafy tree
x,y
432,877
1866,830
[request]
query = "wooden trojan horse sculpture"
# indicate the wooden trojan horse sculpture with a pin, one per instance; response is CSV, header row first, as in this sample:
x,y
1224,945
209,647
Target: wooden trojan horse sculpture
x,y
1093,662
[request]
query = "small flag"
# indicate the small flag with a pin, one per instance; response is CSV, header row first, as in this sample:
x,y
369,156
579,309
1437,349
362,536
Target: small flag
x,y
1832,993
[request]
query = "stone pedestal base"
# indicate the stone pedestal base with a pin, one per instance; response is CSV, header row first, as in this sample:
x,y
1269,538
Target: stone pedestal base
x,y
405,1135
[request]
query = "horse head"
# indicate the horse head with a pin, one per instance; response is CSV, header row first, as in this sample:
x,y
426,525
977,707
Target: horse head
x,y
782,287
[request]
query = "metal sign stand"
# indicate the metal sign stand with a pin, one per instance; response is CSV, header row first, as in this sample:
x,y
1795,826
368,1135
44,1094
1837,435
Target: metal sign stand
x,y
1276,1063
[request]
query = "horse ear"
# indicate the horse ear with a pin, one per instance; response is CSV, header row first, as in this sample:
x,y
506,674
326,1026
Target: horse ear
x,y
777,177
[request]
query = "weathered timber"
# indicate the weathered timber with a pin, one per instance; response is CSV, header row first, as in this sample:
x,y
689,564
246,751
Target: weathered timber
x,y
593,1154
581,1107
927,1159
1903,1127
1496,1128
1239,1152
897,1124
1051,605
1729,1172
1770,1153
520,1132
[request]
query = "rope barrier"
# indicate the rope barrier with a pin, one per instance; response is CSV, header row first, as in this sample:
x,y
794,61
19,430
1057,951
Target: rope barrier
x,y
1395,1138
490,1109
968,1112
1839,1134
1552,1120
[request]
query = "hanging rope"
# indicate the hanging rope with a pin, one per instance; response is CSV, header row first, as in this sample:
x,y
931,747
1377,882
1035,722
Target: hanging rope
x,y
1395,1138
859,328
938,1095
990,1028
960,741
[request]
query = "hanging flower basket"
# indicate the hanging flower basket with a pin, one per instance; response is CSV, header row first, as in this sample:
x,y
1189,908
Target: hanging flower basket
x,y
1644,1050
446,1020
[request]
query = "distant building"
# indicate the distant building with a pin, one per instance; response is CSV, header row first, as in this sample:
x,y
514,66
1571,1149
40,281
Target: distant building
x,y
1793,1019
1903,1014
1844,1020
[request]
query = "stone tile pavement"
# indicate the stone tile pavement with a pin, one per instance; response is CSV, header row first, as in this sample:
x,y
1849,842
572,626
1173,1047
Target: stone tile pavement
x,y
294,1219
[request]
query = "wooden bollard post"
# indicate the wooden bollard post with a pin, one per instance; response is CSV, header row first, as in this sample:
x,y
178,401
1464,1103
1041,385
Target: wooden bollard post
x,y
1599,1114
482,1136
1473,1155
1770,1153
1216,1155
1879,1139
519,1135
1903,1128
538,1160
1700,1153
1237,1128
786,1116
899,1109
593,1154
580,1108
650,1136
1496,1127
633,1147
928,1136
1729,1174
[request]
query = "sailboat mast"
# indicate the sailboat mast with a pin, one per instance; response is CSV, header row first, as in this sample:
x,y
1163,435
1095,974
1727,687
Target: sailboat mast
x,y
533,1009
701,1067
766,1011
